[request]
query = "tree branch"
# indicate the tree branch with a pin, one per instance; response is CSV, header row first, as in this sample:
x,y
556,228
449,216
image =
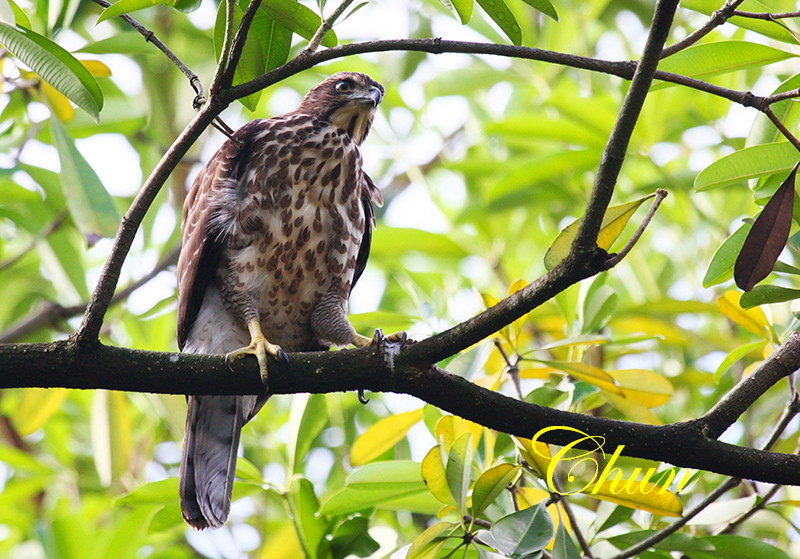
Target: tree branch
x,y
680,444
150,37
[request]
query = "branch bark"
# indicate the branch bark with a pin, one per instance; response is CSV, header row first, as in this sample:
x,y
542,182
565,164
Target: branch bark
x,y
683,444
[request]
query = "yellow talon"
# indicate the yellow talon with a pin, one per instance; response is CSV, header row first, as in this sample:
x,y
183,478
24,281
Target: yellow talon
x,y
260,347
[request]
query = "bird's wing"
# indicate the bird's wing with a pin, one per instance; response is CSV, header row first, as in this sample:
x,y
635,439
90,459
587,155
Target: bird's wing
x,y
369,195
201,247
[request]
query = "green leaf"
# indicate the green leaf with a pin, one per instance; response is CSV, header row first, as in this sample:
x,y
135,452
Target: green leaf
x,y
311,527
524,532
720,268
787,111
738,547
112,439
614,222
735,355
20,17
504,18
251,63
92,208
563,546
764,294
545,7
600,303
394,485
748,163
126,42
458,470
766,28
490,484
307,417
432,539
674,542
712,59
55,66
298,18
463,9
126,6
350,537
385,243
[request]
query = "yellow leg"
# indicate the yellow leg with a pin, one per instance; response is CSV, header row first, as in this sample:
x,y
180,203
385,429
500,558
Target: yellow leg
x,y
260,347
361,341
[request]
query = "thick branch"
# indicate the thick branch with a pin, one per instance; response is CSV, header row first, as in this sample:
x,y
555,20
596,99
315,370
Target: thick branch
x,y
680,444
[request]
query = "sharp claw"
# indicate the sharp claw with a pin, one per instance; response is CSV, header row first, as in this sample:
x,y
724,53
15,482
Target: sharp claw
x,y
361,398
378,336
282,357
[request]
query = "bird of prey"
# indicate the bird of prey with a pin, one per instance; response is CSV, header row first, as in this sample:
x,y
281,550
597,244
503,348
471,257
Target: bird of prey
x,y
276,231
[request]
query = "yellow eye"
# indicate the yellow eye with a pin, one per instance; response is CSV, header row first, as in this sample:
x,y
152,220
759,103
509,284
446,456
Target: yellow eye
x,y
344,86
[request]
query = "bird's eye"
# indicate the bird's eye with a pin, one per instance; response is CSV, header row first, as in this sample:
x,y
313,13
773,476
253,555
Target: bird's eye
x,y
344,86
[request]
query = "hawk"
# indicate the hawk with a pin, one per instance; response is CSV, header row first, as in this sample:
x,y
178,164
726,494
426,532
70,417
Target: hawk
x,y
276,231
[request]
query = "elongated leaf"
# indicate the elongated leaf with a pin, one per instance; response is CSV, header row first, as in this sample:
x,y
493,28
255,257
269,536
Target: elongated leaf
x,y
90,204
504,18
450,427
536,454
639,495
748,163
765,294
20,17
752,320
251,63
736,355
712,59
127,6
112,440
463,9
382,436
767,237
563,546
613,223
720,268
310,526
36,407
55,66
490,484
298,18
350,537
587,373
435,476
428,538
739,547
307,417
645,387
545,7
766,28
524,532
458,470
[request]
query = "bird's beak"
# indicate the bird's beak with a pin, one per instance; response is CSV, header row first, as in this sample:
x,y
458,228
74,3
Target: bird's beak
x,y
372,97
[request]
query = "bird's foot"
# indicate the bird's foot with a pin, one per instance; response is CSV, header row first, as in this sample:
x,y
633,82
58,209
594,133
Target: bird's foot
x,y
260,347
389,346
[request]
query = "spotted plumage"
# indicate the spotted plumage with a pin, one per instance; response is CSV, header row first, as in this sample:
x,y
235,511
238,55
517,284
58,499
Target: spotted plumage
x,y
276,232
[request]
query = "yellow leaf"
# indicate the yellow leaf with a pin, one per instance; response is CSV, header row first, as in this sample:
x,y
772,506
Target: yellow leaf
x,y
587,373
638,324
36,407
382,436
516,286
632,409
542,373
638,495
435,476
490,484
60,106
645,387
451,427
613,223
97,68
752,320
281,543
491,382
112,439
537,454
427,542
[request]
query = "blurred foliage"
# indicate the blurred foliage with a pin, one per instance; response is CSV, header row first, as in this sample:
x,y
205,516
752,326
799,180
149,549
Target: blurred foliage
x,y
482,161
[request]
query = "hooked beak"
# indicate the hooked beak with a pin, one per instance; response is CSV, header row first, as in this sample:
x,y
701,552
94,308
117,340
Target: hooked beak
x,y
372,97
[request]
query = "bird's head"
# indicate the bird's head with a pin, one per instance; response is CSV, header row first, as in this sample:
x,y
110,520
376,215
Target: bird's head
x,y
347,100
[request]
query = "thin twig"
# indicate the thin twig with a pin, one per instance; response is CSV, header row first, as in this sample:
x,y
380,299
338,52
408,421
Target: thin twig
x,y
53,313
717,19
150,37
617,145
767,110
225,78
326,26
789,412
43,234
227,40
766,15
616,258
